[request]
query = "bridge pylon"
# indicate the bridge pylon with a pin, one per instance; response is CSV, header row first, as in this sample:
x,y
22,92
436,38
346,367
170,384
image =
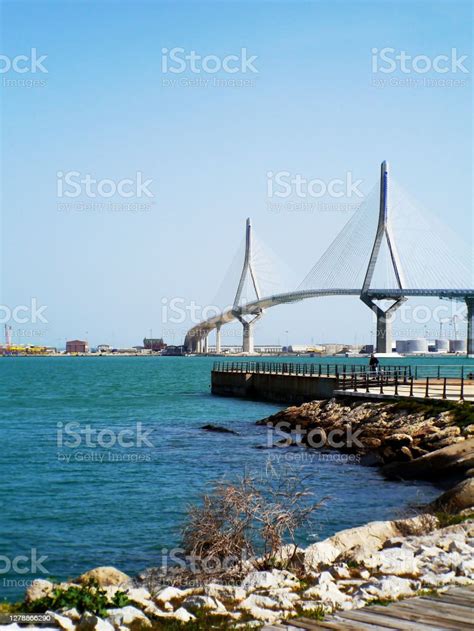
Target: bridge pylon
x,y
384,317
470,326
247,271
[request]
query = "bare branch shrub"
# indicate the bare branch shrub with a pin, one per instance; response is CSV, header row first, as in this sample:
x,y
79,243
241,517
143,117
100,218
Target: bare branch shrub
x,y
244,524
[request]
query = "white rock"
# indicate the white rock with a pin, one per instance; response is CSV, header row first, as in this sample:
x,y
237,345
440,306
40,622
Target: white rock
x,y
449,560
260,580
142,597
194,603
39,588
340,570
328,593
429,579
182,615
277,601
126,616
285,578
225,592
311,605
63,622
320,553
260,613
466,567
72,613
461,547
91,622
427,552
169,593
398,561
389,587
325,577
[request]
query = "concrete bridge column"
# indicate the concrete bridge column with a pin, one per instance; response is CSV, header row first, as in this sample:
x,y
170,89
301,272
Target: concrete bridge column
x,y
218,338
247,340
384,332
470,326
199,345
205,345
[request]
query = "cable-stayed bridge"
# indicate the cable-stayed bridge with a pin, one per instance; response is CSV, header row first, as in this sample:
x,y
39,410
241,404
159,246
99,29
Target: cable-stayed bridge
x,y
390,250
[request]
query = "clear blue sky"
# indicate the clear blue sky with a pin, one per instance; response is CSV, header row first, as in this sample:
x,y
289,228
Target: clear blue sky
x,y
312,110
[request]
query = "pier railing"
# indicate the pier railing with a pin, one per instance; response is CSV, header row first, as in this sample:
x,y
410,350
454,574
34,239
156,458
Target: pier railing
x,y
454,382
308,369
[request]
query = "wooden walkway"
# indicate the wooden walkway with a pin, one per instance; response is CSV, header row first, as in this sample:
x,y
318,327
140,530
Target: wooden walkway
x,y
454,610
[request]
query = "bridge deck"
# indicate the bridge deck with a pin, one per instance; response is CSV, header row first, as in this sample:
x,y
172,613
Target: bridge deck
x,y
453,610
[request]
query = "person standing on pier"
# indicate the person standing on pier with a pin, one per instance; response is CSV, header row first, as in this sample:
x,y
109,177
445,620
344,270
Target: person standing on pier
x,y
373,363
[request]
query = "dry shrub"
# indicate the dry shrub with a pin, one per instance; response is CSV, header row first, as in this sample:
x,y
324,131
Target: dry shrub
x,y
244,524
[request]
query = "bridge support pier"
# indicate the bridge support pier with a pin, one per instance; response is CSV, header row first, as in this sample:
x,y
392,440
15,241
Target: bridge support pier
x,y
247,336
247,339
384,323
205,345
384,332
470,326
218,339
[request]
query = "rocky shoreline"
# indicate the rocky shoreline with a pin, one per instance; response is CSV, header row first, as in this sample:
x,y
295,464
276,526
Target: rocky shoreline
x,y
409,440
379,562
375,563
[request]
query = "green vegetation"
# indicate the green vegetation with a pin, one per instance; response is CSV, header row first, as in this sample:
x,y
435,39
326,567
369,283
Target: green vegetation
x,y
462,413
6,608
448,519
203,622
427,592
383,602
88,597
353,565
317,613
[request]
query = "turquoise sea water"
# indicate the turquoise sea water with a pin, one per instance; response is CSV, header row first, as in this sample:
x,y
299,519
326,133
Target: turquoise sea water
x,y
87,505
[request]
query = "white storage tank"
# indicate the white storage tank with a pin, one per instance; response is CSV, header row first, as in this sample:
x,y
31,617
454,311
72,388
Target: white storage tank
x,y
401,346
419,345
457,346
442,346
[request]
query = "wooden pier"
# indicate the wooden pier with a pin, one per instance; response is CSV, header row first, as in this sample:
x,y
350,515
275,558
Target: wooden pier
x,y
453,610
289,382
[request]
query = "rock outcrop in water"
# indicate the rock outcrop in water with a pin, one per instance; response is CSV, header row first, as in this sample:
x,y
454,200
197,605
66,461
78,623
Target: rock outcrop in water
x,y
399,431
432,440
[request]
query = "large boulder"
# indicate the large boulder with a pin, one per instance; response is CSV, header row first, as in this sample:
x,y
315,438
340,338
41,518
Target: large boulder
x,y
452,461
127,617
398,561
388,587
39,588
105,576
260,580
359,543
456,499
91,622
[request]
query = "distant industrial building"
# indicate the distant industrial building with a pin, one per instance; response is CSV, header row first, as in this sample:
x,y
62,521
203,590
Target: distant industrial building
x,y
104,348
174,350
154,344
77,346
422,346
